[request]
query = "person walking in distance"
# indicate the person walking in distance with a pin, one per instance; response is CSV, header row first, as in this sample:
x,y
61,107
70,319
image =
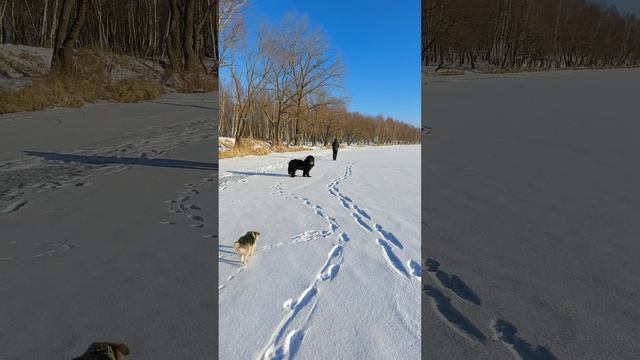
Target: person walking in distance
x,y
335,145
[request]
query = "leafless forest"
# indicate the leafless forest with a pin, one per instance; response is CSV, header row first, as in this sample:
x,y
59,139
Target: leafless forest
x,y
180,30
528,34
286,89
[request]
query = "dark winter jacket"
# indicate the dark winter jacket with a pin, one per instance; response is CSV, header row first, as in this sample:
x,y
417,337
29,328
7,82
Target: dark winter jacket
x,y
335,146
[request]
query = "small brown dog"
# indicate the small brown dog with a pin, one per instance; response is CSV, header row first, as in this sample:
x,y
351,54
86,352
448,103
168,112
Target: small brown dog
x,y
246,245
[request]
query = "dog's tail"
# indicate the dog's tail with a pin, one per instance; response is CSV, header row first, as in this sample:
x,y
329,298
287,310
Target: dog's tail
x,y
236,246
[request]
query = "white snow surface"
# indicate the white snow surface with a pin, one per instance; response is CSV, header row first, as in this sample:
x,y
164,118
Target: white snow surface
x,y
332,275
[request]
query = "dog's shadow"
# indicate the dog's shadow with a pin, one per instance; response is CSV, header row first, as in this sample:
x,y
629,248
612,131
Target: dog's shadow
x,y
230,262
228,250
225,249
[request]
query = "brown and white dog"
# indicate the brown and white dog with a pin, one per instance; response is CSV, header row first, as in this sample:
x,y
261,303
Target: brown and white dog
x,y
104,350
246,245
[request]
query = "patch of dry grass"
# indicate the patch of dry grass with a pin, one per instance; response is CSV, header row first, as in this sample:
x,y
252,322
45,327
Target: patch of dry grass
x,y
514,70
72,91
89,83
253,147
243,150
450,72
287,148
129,91
51,90
195,82
97,75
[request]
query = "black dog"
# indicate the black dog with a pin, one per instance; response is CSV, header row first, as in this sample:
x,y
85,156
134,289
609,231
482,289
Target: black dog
x,y
305,166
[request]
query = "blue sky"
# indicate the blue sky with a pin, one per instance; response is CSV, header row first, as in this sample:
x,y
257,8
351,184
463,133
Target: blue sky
x,y
378,41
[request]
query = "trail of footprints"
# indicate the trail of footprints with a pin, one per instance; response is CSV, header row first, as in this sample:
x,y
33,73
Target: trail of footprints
x,y
51,249
243,177
298,311
501,330
387,241
186,206
287,337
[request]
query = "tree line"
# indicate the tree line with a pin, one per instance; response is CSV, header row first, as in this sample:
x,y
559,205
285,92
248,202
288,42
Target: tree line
x,y
528,34
182,31
284,87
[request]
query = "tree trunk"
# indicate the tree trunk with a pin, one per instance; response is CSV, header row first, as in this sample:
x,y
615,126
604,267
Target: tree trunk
x,y
174,45
190,57
216,40
69,43
61,34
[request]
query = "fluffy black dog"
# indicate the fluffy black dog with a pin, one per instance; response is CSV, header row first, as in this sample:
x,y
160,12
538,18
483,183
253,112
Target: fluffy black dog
x,y
304,165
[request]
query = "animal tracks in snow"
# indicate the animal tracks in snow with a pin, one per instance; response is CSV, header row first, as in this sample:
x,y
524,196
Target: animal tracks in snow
x,y
453,283
501,330
454,318
505,332
46,250
444,304
310,235
299,310
388,236
331,272
187,209
239,177
361,218
361,212
415,269
288,335
40,172
185,205
392,259
360,222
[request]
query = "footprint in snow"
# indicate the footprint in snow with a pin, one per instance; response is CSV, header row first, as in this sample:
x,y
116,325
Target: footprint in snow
x,y
360,222
506,332
361,212
330,273
415,268
453,283
388,236
392,259
452,316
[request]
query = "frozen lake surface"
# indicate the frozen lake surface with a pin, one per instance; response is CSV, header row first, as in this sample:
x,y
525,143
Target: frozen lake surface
x,y
108,224
531,209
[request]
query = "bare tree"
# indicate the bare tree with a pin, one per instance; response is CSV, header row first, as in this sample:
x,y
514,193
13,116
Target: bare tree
x,y
67,37
310,66
247,77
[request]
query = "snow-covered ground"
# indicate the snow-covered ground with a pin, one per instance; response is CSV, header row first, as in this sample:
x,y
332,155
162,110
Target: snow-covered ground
x,y
336,272
108,219
531,209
